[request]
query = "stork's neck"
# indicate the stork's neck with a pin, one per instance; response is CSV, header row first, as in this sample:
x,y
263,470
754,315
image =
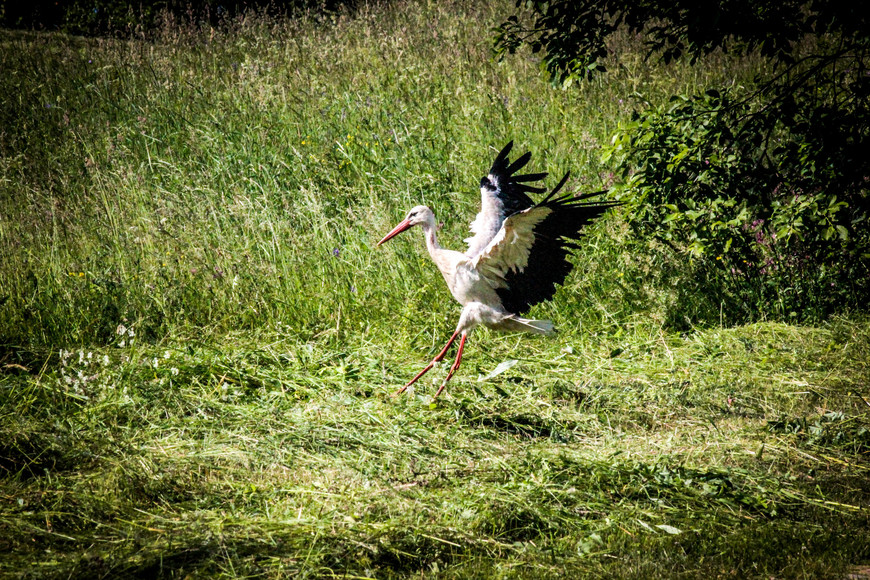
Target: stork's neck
x,y
431,239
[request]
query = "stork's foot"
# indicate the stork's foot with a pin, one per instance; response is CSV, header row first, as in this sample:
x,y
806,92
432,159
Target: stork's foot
x,y
438,358
420,374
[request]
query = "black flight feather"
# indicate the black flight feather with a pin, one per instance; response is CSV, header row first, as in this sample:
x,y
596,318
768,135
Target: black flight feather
x,y
555,236
510,189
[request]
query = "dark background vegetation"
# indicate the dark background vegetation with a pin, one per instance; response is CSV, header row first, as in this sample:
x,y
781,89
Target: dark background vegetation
x,y
761,189
105,17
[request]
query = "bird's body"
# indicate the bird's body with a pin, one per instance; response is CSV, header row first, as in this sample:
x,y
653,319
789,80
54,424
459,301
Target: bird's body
x,y
516,257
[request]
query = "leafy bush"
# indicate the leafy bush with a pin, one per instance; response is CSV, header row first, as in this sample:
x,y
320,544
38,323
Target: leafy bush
x,y
766,188
767,201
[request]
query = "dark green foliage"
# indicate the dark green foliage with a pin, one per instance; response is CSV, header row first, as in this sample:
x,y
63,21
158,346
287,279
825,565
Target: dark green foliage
x,y
774,207
765,187
573,35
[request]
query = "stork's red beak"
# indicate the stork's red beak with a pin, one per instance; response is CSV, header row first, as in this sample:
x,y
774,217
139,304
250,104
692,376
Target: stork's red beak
x,y
404,225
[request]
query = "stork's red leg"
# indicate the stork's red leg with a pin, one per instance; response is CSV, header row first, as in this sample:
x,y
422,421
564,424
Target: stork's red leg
x,y
438,358
455,364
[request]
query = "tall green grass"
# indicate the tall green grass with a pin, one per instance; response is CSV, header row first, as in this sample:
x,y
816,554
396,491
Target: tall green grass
x,y
238,177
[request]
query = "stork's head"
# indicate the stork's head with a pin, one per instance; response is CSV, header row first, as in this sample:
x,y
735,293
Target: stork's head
x,y
418,215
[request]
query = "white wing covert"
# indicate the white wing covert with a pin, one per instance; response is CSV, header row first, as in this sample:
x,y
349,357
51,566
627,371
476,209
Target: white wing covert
x,y
509,251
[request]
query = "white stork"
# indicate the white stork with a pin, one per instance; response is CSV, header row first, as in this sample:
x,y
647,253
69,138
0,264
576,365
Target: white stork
x,y
516,257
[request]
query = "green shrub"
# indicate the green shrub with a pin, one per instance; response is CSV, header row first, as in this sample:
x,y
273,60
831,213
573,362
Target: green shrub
x,y
766,201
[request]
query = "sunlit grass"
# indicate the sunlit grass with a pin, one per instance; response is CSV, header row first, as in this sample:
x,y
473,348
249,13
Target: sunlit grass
x,y
206,178
198,339
729,452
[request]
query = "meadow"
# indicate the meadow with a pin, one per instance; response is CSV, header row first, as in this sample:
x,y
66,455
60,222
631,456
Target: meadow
x,y
199,341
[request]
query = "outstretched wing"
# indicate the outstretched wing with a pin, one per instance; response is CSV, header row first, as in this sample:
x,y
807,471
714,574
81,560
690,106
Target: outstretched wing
x,y
502,193
528,256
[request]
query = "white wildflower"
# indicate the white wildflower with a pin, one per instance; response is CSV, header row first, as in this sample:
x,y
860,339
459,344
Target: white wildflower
x,y
121,330
174,371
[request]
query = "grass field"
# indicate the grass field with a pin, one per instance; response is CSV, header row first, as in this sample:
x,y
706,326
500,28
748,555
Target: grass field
x,y
199,340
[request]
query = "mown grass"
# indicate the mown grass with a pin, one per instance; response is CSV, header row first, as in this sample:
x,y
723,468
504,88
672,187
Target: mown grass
x,y
733,452
199,340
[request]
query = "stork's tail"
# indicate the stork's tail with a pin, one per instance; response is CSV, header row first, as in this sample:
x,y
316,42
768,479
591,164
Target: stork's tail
x,y
528,325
